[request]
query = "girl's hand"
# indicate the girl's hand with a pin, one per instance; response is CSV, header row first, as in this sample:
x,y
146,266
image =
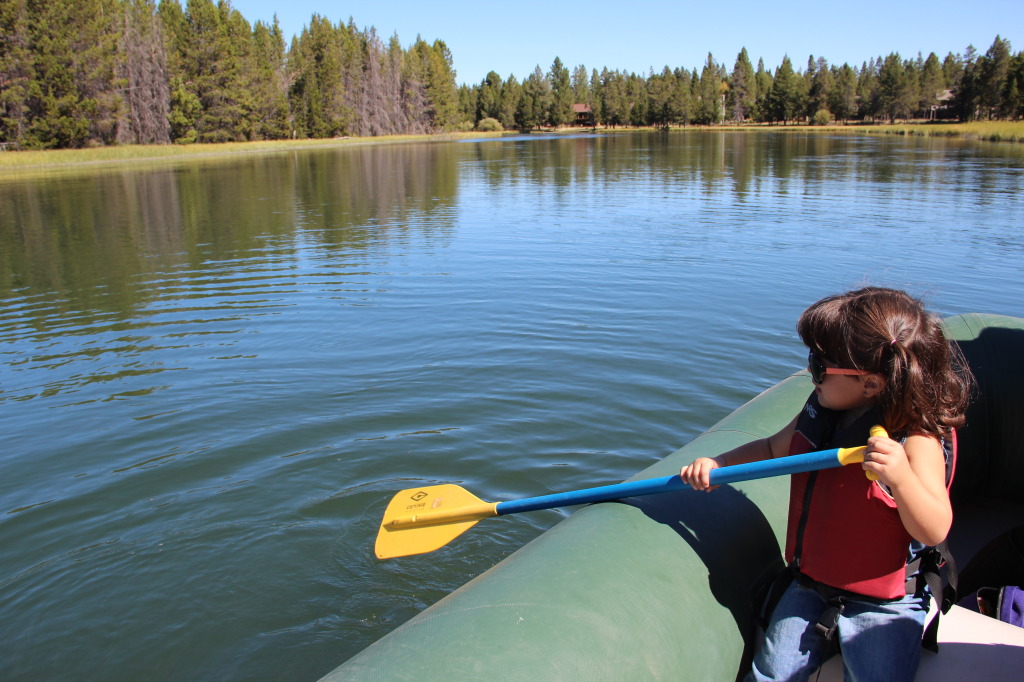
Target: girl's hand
x,y
888,460
698,474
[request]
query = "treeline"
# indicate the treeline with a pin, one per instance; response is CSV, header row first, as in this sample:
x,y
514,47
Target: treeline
x,y
964,87
75,73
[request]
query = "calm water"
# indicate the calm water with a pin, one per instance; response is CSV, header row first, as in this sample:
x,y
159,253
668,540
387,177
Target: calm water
x,y
213,376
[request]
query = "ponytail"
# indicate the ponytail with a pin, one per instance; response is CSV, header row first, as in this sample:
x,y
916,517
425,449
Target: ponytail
x,y
927,381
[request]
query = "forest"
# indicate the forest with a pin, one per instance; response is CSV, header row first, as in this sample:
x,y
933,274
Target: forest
x,y
80,73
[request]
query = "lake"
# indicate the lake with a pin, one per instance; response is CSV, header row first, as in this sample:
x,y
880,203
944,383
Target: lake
x,y
214,374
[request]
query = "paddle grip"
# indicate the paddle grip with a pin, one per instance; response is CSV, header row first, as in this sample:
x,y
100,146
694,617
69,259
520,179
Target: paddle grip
x,y
876,430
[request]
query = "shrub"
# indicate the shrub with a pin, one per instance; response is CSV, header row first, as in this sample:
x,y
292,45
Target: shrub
x,y
822,117
489,125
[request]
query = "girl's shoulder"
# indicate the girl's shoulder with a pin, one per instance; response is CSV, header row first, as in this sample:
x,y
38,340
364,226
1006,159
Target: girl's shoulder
x,y
925,447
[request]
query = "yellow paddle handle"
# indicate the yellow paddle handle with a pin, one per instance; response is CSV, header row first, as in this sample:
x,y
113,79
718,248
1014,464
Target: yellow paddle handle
x,y
430,517
856,455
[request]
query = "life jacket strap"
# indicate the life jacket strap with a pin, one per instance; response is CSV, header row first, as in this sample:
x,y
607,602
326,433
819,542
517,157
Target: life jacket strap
x,y
927,567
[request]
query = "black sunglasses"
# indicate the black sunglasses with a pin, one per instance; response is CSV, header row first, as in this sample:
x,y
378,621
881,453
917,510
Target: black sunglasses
x,y
816,366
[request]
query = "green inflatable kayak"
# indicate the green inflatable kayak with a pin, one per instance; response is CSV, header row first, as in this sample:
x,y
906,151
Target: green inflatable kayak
x,y
659,587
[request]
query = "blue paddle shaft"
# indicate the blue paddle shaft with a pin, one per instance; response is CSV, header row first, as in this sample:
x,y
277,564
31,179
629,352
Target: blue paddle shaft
x,y
794,464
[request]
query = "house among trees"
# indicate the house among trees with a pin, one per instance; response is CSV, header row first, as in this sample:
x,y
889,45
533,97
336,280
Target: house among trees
x,y
944,106
583,115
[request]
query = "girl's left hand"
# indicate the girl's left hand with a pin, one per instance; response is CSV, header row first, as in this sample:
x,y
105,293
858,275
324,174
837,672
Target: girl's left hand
x,y
888,460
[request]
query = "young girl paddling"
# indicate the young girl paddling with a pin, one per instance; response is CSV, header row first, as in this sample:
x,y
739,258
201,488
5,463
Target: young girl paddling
x,y
876,357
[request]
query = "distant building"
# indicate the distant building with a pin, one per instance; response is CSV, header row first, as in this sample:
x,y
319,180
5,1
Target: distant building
x,y
583,115
944,108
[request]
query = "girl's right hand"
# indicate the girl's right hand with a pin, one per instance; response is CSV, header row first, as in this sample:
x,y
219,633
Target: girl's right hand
x,y
698,474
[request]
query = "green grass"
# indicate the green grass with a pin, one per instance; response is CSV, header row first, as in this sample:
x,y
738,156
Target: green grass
x,y
989,131
56,159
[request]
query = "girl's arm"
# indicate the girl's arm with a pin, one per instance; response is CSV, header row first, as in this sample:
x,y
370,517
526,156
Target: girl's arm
x,y
697,474
916,474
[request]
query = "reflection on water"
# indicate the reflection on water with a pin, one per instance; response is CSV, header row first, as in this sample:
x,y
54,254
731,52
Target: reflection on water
x,y
213,376
129,264
97,234
745,163
94,235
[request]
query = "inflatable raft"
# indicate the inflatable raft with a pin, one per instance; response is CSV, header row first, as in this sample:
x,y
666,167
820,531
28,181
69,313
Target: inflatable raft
x,y
659,587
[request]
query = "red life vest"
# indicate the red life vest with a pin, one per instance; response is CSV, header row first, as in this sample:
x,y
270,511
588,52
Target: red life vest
x,y
844,530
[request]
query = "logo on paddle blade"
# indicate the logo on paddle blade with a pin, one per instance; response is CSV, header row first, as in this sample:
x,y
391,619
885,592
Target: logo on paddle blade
x,y
419,496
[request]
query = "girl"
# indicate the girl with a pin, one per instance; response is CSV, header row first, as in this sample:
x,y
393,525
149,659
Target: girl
x,y
876,357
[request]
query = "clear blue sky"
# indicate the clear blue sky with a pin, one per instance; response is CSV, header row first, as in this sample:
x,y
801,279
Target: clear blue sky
x,y
512,38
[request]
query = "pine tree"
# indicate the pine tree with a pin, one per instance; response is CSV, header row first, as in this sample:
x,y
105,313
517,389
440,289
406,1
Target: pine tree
x,y
821,84
1015,87
216,65
74,94
932,84
434,70
511,95
682,97
468,103
867,90
897,88
317,97
787,96
660,87
596,95
742,89
536,102
952,71
581,86
842,99
562,95
234,114
489,98
614,100
764,80
709,94
993,72
185,109
270,88
17,70
636,93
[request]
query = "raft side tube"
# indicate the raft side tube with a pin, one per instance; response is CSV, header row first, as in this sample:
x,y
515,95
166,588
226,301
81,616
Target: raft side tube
x,y
659,587
616,588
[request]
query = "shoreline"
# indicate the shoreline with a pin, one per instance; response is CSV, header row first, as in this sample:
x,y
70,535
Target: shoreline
x,y
101,157
50,160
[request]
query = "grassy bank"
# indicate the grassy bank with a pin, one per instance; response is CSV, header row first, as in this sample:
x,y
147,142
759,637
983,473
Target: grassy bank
x,y
989,131
22,161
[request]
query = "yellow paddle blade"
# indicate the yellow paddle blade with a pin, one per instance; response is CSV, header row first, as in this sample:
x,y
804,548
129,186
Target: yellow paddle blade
x,y
420,520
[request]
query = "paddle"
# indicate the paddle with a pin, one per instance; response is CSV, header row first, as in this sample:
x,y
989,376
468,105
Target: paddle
x,y
420,520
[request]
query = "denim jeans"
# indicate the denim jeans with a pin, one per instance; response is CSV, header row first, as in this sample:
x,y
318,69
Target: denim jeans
x,y
877,641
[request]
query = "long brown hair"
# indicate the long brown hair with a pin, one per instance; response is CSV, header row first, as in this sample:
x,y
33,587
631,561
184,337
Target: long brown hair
x,y
928,383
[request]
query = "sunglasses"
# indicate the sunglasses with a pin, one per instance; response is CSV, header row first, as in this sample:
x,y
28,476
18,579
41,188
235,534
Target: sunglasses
x,y
818,370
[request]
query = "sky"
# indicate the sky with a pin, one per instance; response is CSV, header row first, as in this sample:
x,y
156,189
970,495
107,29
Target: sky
x,y
512,38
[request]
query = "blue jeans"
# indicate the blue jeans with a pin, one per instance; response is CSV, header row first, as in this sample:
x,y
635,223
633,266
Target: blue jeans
x,y
877,641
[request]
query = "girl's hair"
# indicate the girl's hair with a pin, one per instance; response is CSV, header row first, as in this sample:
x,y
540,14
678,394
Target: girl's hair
x,y
927,381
